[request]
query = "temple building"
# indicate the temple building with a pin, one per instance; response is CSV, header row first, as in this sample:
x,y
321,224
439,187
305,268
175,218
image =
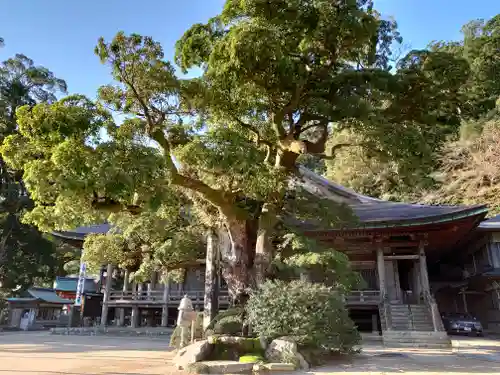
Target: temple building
x,y
418,261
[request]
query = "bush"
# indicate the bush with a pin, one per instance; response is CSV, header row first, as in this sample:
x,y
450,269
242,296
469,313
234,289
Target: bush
x,y
312,315
229,325
175,339
228,322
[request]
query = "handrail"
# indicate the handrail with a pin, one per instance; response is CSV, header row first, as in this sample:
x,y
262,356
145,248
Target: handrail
x,y
363,296
158,295
385,305
437,323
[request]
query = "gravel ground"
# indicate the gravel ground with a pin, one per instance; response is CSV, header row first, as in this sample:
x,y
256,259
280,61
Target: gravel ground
x,y
44,354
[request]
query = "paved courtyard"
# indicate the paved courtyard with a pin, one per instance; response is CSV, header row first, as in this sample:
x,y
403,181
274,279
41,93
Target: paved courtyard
x,y
41,353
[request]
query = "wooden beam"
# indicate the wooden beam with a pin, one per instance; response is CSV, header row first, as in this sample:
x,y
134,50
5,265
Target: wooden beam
x,y
398,257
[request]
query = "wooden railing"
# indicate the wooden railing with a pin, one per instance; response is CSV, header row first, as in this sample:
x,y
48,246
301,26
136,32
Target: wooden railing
x,y
385,310
437,322
158,296
364,297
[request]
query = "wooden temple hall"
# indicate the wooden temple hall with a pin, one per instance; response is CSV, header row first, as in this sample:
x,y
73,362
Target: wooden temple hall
x,y
417,261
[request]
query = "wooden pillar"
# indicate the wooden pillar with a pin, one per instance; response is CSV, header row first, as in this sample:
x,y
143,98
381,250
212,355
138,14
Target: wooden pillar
x,y
134,317
211,298
381,270
397,282
121,317
424,276
164,310
139,291
152,284
107,290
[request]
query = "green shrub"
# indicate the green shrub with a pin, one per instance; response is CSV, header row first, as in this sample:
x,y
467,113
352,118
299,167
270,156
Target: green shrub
x,y
228,322
312,315
175,339
229,325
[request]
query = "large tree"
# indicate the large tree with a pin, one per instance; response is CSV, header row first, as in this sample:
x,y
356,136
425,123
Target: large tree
x,y
278,78
25,255
479,47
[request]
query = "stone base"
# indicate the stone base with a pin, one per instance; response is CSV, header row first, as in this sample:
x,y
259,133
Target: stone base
x,y
114,331
222,367
416,339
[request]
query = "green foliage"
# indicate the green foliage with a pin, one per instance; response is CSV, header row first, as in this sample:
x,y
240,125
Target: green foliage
x,y
479,46
279,79
26,257
313,315
231,325
299,255
232,348
232,312
469,170
227,322
251,358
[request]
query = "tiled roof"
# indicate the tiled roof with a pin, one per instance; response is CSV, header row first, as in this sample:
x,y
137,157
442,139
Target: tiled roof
x,y
491,224
80,232
372,212
42,294
69,284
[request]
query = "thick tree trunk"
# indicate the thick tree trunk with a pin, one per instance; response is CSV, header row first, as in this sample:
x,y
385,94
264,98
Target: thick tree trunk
x,y
264,250
237,258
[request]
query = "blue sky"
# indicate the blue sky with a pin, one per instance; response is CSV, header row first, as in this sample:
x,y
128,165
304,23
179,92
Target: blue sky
x,y
61,34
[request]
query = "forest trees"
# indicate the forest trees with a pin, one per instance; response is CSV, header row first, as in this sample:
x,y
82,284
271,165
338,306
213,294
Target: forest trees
x,y
376,175
25,254
279,78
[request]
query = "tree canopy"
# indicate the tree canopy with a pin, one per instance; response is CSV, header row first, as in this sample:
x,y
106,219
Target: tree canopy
x,y
279,80
392,178
26,256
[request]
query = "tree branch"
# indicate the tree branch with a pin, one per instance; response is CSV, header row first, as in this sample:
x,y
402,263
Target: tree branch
x,y
279,117
316,125
255,131
318,147
222,200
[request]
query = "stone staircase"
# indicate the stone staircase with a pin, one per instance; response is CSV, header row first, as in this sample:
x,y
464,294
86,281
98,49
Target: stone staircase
x,y
411,318
410,326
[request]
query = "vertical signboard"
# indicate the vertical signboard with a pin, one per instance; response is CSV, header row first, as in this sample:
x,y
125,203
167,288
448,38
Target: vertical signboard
x,y
81,282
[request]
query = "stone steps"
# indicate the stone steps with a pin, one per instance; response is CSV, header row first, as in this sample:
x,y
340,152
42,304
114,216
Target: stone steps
x,y
411,318
416,339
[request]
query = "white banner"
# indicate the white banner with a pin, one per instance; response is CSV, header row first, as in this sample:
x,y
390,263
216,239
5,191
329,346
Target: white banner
x,y
81,282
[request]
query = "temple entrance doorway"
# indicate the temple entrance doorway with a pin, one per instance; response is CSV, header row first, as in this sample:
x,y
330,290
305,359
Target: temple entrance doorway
x,y
405,267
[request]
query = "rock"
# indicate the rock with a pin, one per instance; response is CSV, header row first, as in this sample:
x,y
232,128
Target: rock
x,y
284,351
193,353
227,367
279,366
198,368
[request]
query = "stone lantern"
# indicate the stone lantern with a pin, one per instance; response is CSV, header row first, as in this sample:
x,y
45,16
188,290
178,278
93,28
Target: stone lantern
x,y
185,319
